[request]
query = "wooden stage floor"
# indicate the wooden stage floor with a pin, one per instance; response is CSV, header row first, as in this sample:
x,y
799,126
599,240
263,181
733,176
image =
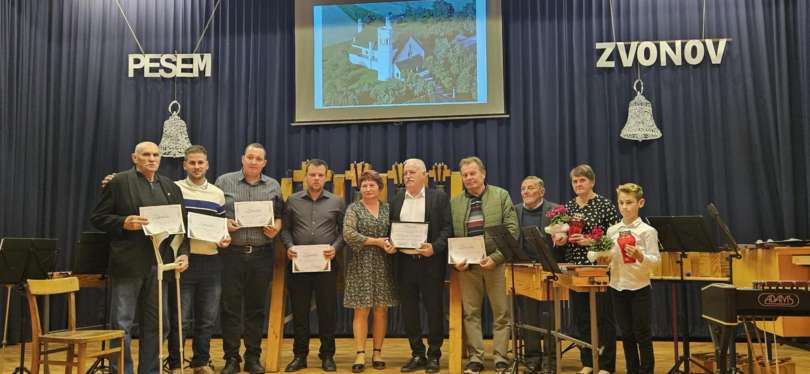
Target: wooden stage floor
x,y
396,353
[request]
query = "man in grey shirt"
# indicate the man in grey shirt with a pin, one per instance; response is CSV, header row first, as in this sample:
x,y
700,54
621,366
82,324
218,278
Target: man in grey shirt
x,y
313,216
248,262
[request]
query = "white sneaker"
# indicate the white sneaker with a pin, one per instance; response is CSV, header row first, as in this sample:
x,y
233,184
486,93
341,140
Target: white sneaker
x,y
604,372
586,370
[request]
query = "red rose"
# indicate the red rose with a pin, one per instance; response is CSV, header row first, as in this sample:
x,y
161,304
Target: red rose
x,y
597,233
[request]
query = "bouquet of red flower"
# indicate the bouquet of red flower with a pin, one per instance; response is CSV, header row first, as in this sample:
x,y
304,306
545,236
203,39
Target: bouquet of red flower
x,y
559,218
602,243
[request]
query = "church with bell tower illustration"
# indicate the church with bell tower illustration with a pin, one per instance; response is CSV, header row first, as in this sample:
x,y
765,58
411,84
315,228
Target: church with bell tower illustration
x,y
381,55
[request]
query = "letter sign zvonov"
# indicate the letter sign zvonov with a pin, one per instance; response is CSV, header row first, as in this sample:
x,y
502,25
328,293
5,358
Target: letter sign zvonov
x,y
182,65
671,52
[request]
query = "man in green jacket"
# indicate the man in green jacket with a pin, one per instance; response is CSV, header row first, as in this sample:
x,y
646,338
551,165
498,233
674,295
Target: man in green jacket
x,y
480,206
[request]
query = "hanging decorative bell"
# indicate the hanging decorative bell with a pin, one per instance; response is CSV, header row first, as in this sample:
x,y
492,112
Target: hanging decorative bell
x,y
640,124
175,134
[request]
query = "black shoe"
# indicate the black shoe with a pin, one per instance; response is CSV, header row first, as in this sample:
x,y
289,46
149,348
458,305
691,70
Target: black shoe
x,y
432,365
253,366
501,367
231,366
379,365
328,364
416,363
473,368
298,363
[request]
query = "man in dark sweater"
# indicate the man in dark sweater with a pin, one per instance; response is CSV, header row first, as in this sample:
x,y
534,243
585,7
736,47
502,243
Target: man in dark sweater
x,y
532,212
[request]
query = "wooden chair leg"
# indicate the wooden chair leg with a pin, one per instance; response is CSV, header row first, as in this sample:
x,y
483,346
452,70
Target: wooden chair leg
x,y
70,358
36,355
120,356
82,358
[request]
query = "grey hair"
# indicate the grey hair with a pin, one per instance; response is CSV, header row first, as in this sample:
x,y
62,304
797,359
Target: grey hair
x,y
140,146
419,163
535,179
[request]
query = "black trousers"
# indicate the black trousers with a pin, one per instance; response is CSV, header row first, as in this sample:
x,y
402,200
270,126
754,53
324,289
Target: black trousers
x,y
539,314
301,286
245,288
422,278
632,310
581,310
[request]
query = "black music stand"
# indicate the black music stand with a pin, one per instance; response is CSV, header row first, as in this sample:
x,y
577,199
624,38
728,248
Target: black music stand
x,y
732,245
93,257
683,234
92,254
514,254
22,259
537,241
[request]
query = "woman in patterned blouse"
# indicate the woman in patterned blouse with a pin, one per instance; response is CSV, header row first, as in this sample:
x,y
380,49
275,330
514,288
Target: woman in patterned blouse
x,y
595,211
369,278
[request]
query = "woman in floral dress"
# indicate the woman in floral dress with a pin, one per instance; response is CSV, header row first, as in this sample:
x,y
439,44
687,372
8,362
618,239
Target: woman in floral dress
x,y
369,278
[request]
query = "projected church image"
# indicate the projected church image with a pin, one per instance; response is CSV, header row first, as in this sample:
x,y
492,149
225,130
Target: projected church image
x,y
411,55
399,53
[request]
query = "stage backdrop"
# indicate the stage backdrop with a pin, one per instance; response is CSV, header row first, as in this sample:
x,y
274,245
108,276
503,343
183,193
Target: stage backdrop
x,y
736,134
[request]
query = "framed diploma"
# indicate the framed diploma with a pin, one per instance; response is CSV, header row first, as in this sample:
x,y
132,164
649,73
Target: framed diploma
x,y
310,259
408,235
254,213
471,249
163,219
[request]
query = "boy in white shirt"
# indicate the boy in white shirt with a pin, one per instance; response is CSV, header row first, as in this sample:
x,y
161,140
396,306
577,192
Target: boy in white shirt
x,y
634,254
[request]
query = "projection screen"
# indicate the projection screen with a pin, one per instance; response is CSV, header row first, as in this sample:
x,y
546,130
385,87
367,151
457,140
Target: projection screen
x,y
391,61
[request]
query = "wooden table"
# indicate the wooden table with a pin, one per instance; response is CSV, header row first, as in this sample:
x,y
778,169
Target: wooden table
x,y
588,280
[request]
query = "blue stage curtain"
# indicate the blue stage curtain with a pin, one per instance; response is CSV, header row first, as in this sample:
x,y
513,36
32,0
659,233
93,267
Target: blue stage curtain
x,y
736,134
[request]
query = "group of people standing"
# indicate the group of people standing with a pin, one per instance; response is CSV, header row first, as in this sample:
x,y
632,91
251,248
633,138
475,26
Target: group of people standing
x,y
228,279
235,273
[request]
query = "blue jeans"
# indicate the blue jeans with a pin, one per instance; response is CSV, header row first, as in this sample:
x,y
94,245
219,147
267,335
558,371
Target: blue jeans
x,y
131,294
200,291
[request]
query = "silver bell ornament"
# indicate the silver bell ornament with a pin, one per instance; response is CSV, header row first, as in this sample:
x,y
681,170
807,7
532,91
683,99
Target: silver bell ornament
x,y
175,134
640,124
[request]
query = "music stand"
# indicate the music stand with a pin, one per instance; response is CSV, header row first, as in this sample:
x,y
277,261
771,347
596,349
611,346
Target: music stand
x,y
508,245
92,254
683,234
93,257
514,254
535,239
732,244
22,259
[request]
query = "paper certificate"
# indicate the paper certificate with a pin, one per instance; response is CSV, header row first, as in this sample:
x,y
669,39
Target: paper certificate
x,y
207,228
254,213
408,235
471,249
163,219
309,259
